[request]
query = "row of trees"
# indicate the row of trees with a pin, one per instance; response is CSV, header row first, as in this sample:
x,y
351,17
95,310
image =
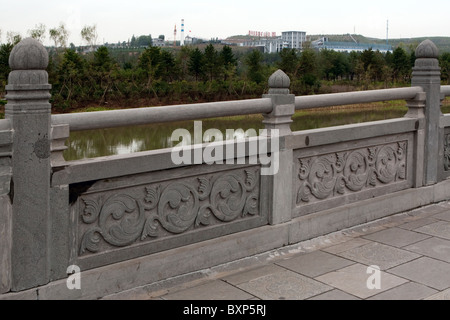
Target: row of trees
x,y
165,75
58,35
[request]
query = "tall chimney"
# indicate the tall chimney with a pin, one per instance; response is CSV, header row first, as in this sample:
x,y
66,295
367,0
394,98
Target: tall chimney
x,y
182,33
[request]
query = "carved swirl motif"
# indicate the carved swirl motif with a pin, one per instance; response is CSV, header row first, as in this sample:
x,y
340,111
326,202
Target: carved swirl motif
x,y
122,220
447,152
352,171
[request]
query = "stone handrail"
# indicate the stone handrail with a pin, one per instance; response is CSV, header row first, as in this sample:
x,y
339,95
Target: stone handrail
x,y
348,98
142,116
445,90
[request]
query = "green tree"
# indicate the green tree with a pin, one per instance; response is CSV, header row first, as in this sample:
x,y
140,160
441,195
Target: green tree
x,y
211,59
102,60
72,82
168,66
5,51
289,62
196,64
228,61
59,35
182,60
149,65
103,73
255,67
401,65
444,62
308,73
89,34
38,32
333,64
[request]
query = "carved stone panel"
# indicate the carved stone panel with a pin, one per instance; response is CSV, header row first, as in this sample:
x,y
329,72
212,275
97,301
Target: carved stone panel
x,y
326,180
138,215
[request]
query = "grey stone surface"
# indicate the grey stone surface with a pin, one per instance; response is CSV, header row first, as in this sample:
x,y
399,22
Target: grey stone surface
x,y
247,276
43,234
28,109
408,291
315,264
353,280
434,248
396,237
444,295
429,272
215,290
426,74
443,215
143,116
351,244
334,295
5,244
284,285
380,255
417,224
437,229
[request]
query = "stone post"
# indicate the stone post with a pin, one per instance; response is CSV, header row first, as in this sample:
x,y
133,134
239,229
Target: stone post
x,y
278,124
426,74
416,109
5,210
29,112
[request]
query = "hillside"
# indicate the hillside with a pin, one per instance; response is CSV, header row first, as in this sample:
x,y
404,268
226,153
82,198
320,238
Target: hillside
x,y
443,43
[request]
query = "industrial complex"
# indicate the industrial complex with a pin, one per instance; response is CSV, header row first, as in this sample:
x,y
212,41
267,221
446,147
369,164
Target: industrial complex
x,y
296,40
270,42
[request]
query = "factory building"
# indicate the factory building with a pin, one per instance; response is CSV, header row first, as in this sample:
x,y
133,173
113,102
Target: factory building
x,y
288,40
355,46
293,39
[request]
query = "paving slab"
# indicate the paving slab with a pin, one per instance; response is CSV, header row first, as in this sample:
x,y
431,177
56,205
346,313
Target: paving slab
x,y
334,295
417,223
351,244
214,290
407,291
354,280
315,264
248,275
377,254
427,271
286,285
434,247
438,229
444,295
442,216
397,237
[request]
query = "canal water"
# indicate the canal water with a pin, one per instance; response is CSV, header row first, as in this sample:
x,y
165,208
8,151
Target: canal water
x,y
106,142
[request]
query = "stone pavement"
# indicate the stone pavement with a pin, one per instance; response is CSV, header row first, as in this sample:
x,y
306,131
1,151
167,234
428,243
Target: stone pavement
x,y
409,254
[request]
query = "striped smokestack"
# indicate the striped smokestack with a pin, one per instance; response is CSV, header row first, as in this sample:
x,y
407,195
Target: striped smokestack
x,y
182,32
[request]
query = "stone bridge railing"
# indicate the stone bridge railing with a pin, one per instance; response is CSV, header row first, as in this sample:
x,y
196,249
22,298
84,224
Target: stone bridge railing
x,y
132,220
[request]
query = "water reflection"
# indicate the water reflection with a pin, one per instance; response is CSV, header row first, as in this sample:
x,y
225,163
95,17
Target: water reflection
x,y
106,142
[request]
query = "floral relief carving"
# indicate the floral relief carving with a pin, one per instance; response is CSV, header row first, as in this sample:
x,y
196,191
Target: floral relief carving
x,y
121,220
333,175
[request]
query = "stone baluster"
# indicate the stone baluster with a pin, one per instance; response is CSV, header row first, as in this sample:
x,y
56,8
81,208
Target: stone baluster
x,y
29,112
277,123
426,74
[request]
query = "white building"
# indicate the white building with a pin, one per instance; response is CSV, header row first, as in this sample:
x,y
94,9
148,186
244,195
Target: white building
x,y
293,39
288,40
271,45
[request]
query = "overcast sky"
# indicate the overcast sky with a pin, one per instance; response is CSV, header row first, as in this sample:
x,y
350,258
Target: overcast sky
x,y
119,20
